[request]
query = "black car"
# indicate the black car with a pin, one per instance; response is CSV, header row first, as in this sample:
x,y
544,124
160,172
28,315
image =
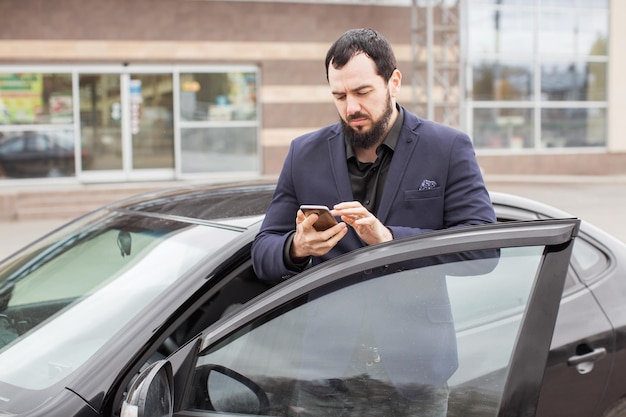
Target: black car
x,y
155,297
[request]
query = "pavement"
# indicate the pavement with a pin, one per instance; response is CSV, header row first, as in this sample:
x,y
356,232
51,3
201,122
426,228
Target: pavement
x,y
598,200
16,234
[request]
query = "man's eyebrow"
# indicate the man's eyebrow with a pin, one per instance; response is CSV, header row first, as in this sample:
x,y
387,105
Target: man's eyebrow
x,y
359,88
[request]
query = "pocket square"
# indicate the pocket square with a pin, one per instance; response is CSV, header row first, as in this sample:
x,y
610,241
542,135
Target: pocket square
x,y
428,185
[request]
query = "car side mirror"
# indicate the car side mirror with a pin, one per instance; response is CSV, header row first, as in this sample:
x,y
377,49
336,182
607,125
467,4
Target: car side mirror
x,y
232,392
152,393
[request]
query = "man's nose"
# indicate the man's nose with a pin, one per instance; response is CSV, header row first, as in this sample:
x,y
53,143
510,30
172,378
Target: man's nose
x,y
352,105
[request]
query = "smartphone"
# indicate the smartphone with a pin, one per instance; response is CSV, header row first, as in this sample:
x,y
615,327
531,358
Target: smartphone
x,y
325,219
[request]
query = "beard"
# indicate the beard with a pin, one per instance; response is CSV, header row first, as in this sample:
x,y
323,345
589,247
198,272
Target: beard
x,y
369,138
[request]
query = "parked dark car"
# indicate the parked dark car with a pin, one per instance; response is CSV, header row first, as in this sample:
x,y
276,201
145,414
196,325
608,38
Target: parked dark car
x,y
155,297
39,154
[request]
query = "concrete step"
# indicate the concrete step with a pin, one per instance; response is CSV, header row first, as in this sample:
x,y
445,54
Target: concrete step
x,y
64,202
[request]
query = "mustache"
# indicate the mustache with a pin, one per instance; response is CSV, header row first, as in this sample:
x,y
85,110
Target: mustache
x,y
357,115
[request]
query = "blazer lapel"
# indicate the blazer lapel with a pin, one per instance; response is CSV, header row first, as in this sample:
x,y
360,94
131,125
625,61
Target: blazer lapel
x,y
337,150
399,164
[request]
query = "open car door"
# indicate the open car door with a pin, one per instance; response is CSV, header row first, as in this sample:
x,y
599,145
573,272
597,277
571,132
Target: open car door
x,y
454,323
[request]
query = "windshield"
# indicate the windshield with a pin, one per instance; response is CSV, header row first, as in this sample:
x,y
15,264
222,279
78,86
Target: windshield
x,y
66,296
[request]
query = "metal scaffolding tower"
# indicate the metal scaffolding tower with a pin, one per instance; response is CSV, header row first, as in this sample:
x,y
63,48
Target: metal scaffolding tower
x,y
437,84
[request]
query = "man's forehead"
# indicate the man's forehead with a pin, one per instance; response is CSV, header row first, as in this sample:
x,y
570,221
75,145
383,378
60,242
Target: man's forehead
x,y
359,70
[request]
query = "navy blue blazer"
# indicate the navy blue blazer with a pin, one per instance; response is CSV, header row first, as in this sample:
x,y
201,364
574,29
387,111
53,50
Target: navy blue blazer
x,y
434,182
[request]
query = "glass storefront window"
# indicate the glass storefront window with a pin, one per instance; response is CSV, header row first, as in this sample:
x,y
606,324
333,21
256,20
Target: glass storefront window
x,y
36,125
502,81
38,153
124,124
101,120
573,81
223,96
573,127
596,4
503,128
573,32
496,30
549,3
219,149
35,98
504,2
152,121
528,57
219,125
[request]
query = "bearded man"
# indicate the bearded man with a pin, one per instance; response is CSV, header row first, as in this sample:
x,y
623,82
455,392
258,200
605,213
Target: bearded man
x,y
385,174
382,170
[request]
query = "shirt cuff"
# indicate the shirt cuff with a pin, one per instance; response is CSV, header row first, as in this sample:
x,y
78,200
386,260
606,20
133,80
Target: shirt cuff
x,y
289,263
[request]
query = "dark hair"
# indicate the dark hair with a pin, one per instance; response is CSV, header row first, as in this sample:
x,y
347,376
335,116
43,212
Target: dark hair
x,y
366,41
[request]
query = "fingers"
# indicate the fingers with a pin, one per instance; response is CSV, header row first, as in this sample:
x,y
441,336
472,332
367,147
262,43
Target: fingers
x,y
305,221
349,206
367,226
353,213
309,242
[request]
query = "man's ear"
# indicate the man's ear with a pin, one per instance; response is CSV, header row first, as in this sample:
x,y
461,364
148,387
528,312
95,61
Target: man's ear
x,y
395,82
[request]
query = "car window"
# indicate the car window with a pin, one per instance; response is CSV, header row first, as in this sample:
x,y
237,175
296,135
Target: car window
x,y
509,214
588,260
69,295
15,145
506,213
410,336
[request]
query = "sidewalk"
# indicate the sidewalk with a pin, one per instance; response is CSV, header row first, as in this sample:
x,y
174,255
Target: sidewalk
x,y
16,234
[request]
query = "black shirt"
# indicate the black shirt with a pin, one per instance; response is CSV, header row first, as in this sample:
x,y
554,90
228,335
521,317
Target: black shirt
x,y
368,178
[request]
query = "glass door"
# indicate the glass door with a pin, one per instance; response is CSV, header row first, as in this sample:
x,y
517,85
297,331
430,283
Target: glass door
x,y
151,122
101,122
126,126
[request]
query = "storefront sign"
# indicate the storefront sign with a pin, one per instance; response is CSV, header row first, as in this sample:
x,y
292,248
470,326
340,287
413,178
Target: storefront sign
x,y
21,98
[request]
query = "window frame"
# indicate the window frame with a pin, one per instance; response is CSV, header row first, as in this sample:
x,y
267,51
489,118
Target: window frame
x,y
536,104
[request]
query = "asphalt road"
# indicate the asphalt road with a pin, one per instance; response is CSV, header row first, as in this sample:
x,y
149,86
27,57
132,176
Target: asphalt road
x,y
598,200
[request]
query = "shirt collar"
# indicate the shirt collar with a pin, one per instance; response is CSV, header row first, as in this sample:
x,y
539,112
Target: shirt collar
x,y
392,137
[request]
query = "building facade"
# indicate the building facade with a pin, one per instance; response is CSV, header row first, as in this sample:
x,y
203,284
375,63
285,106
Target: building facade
x,y
121,91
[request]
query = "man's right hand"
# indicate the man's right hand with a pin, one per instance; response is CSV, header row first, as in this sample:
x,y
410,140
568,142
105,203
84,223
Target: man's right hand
x,y
309,242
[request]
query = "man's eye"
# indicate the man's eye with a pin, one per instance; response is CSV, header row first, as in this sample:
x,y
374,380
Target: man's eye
x,y
363,93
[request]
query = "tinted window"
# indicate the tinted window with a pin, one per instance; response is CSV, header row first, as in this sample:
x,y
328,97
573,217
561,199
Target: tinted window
x,y
66,297
401,337
588,260
510,213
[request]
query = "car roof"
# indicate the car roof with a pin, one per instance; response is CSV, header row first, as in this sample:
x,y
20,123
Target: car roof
x,y
217,202
203,203
514,201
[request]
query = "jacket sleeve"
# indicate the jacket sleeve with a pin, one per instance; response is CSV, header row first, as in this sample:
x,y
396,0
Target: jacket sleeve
x,y
467,200
269,244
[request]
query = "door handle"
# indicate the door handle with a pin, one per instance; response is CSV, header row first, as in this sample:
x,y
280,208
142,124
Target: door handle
x,y
584,362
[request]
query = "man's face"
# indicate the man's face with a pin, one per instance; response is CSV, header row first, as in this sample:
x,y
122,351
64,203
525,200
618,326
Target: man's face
x,y
363,99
